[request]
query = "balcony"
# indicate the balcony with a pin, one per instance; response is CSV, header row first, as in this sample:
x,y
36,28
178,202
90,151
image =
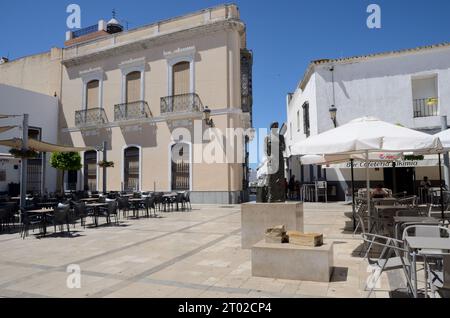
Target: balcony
x,y
179,104
132,111
425,107
90,117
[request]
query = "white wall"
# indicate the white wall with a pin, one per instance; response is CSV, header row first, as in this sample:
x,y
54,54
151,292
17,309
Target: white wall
x,y
43,113
379,86
382,87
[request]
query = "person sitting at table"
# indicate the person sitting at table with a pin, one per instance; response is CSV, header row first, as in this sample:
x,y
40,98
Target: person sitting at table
x,y
379,192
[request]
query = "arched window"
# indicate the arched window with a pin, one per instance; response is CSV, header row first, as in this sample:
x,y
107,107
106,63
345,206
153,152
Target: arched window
x,y
90,170
133,87
181,78
92,94
131,169
180,167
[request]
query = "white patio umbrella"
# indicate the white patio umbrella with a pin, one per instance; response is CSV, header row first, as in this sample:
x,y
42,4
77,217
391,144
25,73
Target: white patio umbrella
x,y
364,136
444,137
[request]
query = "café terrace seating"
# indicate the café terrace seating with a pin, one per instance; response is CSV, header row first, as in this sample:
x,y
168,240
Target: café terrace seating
x,y
65,211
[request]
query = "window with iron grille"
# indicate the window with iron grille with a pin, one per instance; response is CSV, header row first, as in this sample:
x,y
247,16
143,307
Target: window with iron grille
x,y
306,119
131,169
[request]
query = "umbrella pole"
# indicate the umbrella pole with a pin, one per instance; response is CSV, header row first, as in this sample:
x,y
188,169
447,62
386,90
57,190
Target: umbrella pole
x,y
368,191
440,186
353,194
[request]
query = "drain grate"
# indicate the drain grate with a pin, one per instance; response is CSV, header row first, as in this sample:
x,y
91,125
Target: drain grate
x,y
227,207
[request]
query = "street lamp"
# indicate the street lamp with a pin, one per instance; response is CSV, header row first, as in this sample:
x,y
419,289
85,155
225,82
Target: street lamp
x,y
207,117
333,112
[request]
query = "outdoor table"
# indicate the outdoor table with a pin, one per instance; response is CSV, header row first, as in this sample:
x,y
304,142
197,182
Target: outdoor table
x,y
96,207
89,199
400,220
43,212
135,204
417,244
48,205
384,201
168,196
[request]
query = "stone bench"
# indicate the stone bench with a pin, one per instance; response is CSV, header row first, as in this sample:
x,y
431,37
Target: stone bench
x,y
289,261
256,218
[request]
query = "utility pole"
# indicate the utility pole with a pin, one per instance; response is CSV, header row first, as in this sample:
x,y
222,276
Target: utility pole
x,y
24,164
104,167
446,157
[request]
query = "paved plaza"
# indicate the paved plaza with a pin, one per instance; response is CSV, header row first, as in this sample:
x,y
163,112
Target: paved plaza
x,y
179,254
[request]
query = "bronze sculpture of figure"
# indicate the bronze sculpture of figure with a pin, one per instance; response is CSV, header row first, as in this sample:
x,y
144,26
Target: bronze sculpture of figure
x,y
274,146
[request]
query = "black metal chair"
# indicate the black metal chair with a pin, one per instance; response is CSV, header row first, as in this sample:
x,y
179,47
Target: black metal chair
x,y
149,204
61,217
81,212
123,205
109,211
29,222
187,199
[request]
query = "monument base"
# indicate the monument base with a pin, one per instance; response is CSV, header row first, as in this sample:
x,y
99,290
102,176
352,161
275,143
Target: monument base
x,y
289,261
256,218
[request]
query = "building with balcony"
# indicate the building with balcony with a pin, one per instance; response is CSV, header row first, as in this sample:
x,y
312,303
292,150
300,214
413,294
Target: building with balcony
x,y
408,87
135,88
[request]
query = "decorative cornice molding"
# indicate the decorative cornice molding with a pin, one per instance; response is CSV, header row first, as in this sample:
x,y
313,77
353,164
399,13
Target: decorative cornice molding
x,y
132,65
180,52
92,73
152,41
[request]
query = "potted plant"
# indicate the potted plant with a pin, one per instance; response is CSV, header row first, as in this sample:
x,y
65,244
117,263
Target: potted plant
x,y
23,153
106,164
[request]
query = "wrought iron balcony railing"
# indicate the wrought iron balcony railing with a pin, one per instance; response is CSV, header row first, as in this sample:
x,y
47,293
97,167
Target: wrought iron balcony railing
x,y
184,103
90,117
132,111
426,107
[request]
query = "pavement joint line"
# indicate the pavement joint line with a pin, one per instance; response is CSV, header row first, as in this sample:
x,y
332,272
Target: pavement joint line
x,y
20,294
64,266
160,267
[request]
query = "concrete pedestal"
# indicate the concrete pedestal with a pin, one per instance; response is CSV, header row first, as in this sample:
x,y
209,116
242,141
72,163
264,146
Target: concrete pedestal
x,y
256,218
289,261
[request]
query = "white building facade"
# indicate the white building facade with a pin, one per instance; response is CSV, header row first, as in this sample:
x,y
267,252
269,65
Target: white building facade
x,y
409,87
43,125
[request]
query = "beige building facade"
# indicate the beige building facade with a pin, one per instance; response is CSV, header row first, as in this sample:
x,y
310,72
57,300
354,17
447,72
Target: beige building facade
x,y
144,92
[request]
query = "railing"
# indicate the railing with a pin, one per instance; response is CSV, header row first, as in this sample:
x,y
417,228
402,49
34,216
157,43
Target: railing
x,y
425,107
85,31
90,117
181,104
133,110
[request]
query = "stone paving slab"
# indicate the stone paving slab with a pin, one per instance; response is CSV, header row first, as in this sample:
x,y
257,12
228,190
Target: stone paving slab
x,y
178,254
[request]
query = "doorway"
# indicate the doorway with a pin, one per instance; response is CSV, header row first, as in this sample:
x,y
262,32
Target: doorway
x,y
404,180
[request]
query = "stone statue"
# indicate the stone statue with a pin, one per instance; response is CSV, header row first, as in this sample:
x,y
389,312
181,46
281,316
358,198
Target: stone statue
x,y
274,146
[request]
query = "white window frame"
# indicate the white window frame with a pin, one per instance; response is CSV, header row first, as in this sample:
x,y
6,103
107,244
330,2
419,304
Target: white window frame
x,y
175,57
127,67
89,76
122,172
96,173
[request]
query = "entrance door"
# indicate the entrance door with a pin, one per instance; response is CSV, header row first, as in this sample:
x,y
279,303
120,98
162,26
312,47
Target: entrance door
x,y
404,179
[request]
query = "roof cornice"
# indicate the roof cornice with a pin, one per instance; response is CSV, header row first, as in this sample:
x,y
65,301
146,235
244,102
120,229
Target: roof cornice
x,y
152,41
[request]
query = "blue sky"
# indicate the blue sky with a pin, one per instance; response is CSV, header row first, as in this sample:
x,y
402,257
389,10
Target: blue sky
x,y
285,35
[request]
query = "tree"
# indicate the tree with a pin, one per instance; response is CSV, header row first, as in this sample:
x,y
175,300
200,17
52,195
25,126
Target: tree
x,y
66,161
